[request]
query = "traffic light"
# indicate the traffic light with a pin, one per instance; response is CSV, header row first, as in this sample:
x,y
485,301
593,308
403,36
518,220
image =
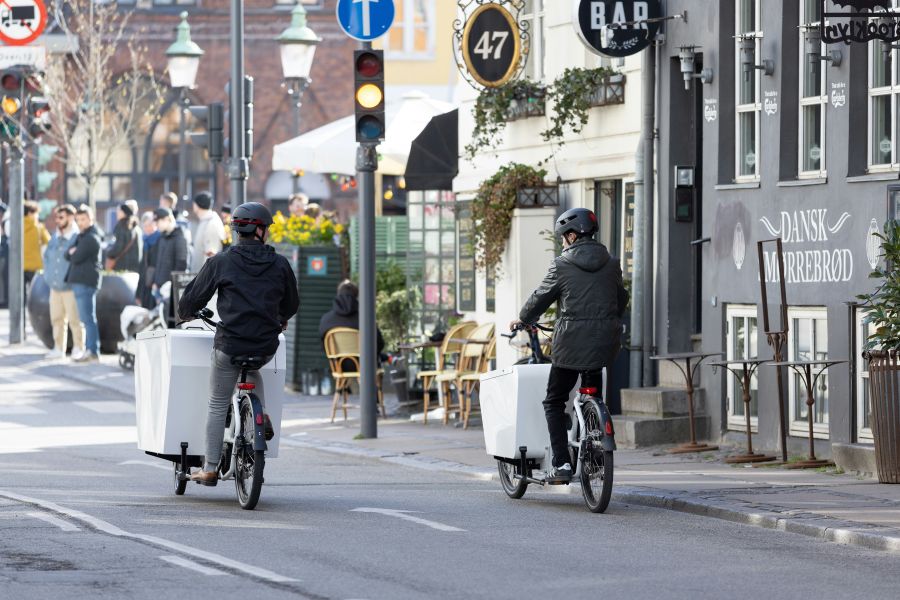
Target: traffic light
x,y
45,179
212,136
38,116
368,70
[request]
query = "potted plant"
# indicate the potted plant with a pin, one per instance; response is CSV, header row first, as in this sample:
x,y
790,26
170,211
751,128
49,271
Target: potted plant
x,y
313,247
883,354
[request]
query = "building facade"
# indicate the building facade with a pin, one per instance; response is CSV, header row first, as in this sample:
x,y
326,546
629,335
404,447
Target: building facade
x,y
792,139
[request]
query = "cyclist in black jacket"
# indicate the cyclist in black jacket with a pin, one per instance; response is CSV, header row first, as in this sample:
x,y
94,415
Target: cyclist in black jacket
x,y
257,296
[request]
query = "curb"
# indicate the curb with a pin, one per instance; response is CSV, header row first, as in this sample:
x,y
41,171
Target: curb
x,y
816,526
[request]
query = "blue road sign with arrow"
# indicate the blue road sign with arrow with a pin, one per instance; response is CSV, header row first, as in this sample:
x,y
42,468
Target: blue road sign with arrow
x,y
365,20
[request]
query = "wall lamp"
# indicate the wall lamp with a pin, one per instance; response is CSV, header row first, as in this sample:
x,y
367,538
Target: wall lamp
x,y
814,48
688,57
748,59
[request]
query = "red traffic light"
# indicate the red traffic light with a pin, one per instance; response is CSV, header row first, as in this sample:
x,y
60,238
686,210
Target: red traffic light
x,y
10,81
369,64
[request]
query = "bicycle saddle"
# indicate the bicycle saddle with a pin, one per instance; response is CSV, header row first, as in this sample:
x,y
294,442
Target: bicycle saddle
x,y
250,363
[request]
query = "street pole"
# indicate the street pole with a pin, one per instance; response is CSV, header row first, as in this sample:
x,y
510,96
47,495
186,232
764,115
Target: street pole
x,y
182,148
238,166
367,164
296,94
16,246
648,130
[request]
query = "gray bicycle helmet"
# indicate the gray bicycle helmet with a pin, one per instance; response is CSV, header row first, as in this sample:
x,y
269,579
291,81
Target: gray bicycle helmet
x,y
247,217
577,220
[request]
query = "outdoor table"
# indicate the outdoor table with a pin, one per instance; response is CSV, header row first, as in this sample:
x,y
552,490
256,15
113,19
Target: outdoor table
x,y
468,341
804,368
689,374
744,369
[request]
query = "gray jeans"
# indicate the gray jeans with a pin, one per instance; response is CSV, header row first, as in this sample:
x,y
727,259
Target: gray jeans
x,y
223,378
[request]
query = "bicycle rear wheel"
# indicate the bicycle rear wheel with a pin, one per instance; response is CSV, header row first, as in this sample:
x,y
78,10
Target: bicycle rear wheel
x,y
596,464
249,465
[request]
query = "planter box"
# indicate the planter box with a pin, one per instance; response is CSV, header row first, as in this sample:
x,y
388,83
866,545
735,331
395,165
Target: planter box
x,y
538,197
526,107
319,270
611,91
884,389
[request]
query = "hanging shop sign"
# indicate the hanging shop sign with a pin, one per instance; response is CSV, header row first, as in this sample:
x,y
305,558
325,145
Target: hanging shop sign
x,y
616,28
491,45
866,20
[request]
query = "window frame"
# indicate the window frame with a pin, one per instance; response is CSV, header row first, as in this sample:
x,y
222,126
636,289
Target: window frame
x,y
799,427
753,107
893,91
536,20
408,51
733,392
863,434
806,101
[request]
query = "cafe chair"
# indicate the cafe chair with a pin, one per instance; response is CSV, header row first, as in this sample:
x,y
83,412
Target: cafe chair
x,y
445,357
342,350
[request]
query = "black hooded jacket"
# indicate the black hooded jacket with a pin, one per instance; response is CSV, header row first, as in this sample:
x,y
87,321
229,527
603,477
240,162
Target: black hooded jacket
x,y
257,293
587,282
344,313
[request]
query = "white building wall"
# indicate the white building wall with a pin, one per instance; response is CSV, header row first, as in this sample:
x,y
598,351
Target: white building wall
x,y
603,150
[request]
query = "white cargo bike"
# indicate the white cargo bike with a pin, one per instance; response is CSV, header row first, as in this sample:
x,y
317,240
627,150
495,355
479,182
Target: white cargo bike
x,y
172,395
515,429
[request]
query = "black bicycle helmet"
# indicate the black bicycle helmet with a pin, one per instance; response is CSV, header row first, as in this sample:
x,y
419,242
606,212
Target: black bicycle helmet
x,y
247,217
577,220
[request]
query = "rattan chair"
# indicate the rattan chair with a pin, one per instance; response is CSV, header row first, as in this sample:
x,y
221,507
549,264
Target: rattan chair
x,y
467,383
446,355
469,361
342,350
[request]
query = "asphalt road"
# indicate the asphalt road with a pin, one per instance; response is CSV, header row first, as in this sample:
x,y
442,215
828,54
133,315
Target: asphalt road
x,y
83,515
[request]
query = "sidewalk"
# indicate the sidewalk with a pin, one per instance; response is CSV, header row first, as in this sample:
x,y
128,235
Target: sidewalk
x,y
830,506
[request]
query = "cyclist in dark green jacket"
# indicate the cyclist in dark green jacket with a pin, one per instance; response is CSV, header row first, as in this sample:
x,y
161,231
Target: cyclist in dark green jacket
x,y
587,283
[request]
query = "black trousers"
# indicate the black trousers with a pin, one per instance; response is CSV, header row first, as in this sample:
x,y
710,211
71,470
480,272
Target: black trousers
x,y
559,385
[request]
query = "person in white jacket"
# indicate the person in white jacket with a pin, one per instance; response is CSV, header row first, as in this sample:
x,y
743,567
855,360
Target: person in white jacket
x,y
209,233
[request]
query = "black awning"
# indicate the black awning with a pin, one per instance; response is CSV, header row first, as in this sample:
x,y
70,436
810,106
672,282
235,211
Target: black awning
x,y
434,155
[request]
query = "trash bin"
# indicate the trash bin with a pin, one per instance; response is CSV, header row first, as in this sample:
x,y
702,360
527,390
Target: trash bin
x,y
884,391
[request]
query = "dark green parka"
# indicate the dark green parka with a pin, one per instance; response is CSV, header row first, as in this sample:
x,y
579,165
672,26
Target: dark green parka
x,y
587,282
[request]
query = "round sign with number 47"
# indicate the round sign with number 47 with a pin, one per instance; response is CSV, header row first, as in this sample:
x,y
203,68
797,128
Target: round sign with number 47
x,y
491,45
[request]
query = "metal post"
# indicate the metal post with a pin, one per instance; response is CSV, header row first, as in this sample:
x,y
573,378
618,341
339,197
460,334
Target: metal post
x,y
367,164
642,283
16,243
296,94
238,170
182,148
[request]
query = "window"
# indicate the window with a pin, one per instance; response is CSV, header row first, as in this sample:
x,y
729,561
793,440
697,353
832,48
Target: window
x,y
432,243
808,341
412,34
533,15
863,402
813,97
747,90
742,338
884,88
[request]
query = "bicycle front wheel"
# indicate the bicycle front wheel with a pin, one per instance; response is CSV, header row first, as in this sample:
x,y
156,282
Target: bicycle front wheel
x,y
514,488
249,465
597,464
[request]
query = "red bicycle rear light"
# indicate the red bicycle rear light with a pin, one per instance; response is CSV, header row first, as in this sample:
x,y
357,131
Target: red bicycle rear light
x,y
259,419
246,386
588,391
609,429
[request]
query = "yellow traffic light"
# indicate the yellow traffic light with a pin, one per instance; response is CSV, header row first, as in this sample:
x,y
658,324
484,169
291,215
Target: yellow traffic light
x,y
10,105
369,96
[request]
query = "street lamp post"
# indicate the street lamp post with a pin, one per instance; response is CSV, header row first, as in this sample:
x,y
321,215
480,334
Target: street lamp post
x,y
183,62
298,48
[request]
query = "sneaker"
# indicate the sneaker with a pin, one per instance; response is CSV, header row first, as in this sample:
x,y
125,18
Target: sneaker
x,y
560,475
54,355
87,357
207,478
270,431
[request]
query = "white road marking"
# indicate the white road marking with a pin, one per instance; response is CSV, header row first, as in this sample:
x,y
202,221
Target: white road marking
x,y
148,463
64,525
115,407
189,564
406,516
21,409
110,529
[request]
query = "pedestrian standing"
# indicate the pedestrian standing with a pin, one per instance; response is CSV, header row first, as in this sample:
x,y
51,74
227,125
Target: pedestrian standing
x,y
172,255
297,204
63,308
148,260
208,234
84,276
36,237
125,253
170,200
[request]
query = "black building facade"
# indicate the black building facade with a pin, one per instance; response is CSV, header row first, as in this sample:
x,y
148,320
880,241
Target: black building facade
x,y
794,139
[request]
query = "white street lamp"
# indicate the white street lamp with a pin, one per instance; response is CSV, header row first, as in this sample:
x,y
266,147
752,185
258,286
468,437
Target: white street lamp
x,y
184,61
298,46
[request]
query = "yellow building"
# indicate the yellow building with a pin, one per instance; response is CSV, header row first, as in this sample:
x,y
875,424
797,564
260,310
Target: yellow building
x,y
419,49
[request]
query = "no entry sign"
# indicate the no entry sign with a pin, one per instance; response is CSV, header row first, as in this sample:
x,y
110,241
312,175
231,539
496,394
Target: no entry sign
x,y
21,21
